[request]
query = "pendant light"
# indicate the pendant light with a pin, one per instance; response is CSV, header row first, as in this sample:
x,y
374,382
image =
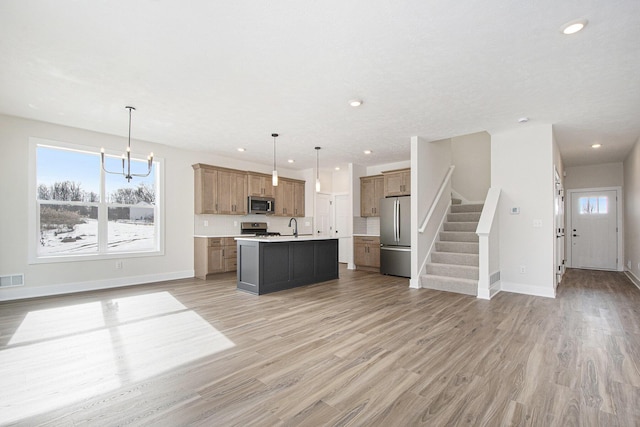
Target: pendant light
x,y
274,175
317,170
127,156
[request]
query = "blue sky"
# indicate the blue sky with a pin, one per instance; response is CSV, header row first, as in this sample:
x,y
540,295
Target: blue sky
x,y
56,165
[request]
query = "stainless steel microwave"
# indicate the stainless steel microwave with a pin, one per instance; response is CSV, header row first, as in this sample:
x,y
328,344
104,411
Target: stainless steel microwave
x,y
262,205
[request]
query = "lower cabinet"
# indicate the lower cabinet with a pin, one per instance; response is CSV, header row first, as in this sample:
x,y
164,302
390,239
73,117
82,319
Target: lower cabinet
x,y
366,253
214,255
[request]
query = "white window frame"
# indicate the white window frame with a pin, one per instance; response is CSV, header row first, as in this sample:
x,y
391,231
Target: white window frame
x,y
34,217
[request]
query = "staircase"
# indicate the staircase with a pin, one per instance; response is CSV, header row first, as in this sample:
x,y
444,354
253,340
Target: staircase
x,y
454,263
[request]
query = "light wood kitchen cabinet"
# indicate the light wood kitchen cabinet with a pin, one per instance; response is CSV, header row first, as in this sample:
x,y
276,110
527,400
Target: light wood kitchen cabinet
x,y
371,191
230,253
298,198
366,253
214,255
220,190
290,195
259,184
397,182
232,192
206,190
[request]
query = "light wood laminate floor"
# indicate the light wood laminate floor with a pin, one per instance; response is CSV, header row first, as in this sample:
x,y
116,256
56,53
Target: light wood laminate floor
x,y
364,350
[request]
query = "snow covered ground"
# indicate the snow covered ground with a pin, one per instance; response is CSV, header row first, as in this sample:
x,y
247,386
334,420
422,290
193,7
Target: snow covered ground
x,y
122,237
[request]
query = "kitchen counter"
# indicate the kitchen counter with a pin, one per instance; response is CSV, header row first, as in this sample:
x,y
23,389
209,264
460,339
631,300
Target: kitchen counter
x,y
270,264
213,236
272,239
366,235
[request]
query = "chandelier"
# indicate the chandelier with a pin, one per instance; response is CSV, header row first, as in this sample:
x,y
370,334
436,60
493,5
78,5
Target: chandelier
x,y
126,158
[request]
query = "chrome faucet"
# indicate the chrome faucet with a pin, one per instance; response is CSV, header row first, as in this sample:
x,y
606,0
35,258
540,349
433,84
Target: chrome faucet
x,y
295,229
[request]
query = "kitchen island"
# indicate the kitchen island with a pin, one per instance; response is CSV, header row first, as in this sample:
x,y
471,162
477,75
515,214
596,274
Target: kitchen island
x,y
270,264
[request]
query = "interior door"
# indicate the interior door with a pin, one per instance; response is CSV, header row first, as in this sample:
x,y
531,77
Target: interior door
x,y
323,215
594,230
559,227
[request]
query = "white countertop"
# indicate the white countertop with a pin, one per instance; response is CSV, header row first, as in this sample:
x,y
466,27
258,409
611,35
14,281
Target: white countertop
x,y
222,235
274,239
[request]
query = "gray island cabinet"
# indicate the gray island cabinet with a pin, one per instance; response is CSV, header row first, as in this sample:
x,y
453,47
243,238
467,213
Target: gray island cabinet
x,y
270,264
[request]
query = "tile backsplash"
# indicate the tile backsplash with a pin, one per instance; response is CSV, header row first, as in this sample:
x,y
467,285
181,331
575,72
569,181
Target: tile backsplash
x,y
229,225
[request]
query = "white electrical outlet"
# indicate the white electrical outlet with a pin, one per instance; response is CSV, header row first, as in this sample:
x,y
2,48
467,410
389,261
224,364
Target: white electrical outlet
x,y
307,224
523,269
206,222
537,223
235,223
119,265
629,264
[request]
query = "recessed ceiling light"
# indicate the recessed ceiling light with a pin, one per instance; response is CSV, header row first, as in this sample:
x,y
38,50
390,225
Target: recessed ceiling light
x,y
523,119
596,145
337,168
355,102
241,150
574,26
290,160
368,151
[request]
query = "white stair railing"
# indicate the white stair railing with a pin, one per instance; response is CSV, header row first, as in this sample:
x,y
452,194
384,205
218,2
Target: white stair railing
x,y
445,188
489,252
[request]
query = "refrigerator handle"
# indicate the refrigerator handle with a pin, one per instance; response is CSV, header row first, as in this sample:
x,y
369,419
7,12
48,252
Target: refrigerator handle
x,y
395,220
399,222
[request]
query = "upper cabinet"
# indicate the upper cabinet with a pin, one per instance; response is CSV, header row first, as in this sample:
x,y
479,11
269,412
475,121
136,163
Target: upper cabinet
x,y
371,191
232,192
225,191
206,186
290,195
397,182
259,184
220,190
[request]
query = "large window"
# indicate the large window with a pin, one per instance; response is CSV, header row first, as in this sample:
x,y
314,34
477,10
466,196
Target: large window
x,y
82,211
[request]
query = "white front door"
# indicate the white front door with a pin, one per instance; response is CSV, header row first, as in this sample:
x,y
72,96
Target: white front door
x,y
594,230
559,227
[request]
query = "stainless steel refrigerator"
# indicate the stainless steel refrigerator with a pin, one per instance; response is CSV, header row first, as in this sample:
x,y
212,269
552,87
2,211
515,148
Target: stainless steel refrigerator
x,y
395,236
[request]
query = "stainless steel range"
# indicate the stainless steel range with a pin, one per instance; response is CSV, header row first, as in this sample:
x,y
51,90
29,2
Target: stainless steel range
x,y
257,228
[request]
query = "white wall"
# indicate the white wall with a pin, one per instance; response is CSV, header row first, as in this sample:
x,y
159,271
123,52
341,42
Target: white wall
x,y
430,162
471,155
632,212
42,279
378,169
522,167
594,176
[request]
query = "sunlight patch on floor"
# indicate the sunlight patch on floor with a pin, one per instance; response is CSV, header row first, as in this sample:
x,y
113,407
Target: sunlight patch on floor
x,y
65,355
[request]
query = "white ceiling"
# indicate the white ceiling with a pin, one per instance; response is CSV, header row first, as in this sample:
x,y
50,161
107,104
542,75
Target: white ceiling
x,y
217,75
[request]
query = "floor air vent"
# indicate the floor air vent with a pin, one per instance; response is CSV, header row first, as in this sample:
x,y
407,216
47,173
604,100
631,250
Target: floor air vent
x,y
11,280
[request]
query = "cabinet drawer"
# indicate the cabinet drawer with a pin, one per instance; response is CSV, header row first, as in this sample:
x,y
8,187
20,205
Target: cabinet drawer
x,y
230,264
228,241
360,240
230,252
214,241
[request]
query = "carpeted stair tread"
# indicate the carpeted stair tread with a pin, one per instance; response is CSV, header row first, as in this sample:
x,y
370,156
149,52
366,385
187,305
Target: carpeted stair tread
x,y
464,217
455,201
459,247
458,236
452,270
455,258
450,284
461,226
466,208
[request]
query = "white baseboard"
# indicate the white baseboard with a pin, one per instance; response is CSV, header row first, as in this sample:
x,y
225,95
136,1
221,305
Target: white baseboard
x,y
24,292
521,288
633,278
491,292
414,283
